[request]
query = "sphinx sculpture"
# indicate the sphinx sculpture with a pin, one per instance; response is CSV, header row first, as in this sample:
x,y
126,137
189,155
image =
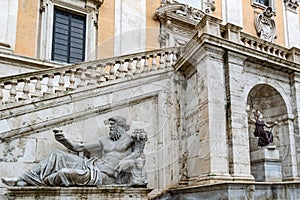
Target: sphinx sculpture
x,y
121,163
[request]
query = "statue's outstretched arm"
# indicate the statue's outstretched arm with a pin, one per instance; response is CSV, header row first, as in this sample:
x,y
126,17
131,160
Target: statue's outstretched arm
x,y
86,148
60,137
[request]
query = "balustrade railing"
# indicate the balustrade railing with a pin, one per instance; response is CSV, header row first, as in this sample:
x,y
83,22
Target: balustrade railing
x,y
69,78
264,46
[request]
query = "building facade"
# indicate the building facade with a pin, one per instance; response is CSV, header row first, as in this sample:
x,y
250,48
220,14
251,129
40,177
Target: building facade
x,y
189,72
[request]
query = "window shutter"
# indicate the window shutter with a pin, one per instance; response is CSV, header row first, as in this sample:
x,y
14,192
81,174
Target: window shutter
x,y
68,37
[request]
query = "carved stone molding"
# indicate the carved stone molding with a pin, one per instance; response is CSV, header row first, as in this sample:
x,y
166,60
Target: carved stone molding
x,y
265,25
291,4
178,22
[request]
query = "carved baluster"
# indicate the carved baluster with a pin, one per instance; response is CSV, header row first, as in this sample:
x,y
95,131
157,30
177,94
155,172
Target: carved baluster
x,y
162,61
284,55
72,81
93,75
25,90
130,67
13,92
1,93
50,85
168,59
174,58
112,72
38,87
61,83
279,53
121,70
138,69
125,68
82,78
154,67
146,64
102,73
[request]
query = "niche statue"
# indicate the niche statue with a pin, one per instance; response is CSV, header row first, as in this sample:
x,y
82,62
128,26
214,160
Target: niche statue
x,y
264,137
122,161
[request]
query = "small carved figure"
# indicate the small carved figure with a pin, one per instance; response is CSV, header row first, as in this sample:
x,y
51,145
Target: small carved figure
x,y
120,155
265,25
264,137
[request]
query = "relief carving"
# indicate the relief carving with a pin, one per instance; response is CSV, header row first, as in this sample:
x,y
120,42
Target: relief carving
x,y
265,25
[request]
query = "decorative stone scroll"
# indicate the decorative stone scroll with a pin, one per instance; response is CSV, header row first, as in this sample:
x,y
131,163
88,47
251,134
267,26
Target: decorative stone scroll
x,y
265,25
122,161
178,21
292,4
209,6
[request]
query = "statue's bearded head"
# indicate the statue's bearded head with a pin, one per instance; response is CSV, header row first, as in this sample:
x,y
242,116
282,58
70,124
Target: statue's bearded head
x,y
118,126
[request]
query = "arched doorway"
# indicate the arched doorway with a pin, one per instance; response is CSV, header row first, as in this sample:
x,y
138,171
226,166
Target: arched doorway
x,y
268,100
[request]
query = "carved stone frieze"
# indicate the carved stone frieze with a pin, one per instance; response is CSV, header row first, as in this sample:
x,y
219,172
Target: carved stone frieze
x,y
292,4
265,25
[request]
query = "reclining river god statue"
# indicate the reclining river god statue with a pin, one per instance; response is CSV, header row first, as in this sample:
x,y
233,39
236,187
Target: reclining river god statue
x,y
121,162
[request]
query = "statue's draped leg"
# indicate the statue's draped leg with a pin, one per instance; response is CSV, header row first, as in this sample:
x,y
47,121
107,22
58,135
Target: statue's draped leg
x,y
64,169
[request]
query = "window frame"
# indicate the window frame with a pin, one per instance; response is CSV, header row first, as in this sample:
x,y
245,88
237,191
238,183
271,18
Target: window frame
x,y
88,8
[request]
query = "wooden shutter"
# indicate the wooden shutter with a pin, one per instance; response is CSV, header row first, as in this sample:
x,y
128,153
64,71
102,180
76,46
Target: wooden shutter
x,y
68,37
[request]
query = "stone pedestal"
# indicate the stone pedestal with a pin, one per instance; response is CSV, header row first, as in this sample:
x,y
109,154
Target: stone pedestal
x,y
266,165
75,193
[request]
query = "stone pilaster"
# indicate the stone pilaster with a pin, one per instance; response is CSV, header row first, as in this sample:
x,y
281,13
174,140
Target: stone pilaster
x,y
295,95
8,24
232,12
213,149
237,132
291,23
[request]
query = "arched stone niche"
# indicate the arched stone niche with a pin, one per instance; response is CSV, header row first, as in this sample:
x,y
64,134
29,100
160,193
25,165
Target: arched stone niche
x,y
269,101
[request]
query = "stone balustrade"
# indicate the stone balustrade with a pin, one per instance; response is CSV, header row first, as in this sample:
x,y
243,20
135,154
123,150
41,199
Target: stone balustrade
x,y
69,78
264,46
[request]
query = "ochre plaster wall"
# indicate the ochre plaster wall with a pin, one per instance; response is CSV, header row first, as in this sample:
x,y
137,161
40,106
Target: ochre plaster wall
x,y
152,32
249,17
26,37
106,29
218,12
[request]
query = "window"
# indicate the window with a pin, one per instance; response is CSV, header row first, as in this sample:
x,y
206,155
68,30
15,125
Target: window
x,y
68,13
68,37
264,2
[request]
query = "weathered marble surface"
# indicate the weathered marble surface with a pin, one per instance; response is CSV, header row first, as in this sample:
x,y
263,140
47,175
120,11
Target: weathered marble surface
x,y
76,193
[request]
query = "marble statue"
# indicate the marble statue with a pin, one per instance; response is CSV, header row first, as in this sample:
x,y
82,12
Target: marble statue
x,y
264,137
122,161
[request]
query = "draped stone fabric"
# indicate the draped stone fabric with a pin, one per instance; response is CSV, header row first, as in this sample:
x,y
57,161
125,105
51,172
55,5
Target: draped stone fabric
x,y
65,169
265,137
